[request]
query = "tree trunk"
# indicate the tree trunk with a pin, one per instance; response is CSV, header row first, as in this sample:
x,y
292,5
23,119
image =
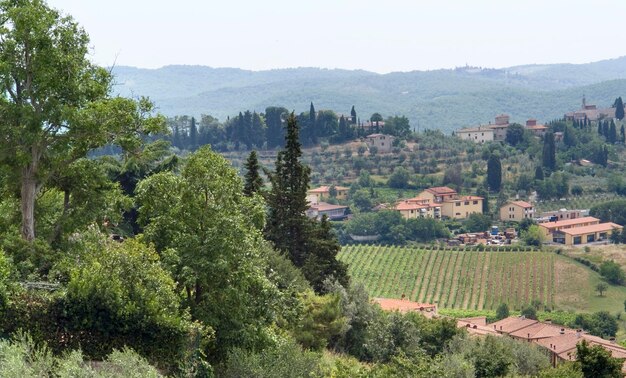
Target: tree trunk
x,y
29,189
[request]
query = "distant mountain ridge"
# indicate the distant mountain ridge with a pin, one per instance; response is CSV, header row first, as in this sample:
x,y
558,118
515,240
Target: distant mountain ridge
x,y
441,99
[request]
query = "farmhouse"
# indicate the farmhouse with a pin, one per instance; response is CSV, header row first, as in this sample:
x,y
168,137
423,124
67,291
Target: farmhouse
x,y
453,205
333,212
536,130
382,142
323,192
480,134
418,208
516,211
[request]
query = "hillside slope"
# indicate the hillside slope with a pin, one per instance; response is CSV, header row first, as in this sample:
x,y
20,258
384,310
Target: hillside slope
x,y
441,99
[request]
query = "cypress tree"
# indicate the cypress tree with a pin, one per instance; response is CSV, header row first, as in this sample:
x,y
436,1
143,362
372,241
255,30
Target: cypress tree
x,y
494,173
605,129
481,192
253,181
287,225
353,115
539,173
619,108
612,138
622,132
193,135
549,152
310,245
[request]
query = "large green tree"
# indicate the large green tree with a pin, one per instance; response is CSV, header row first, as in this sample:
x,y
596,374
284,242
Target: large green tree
x,y
619,108
211,234
595,361
54,103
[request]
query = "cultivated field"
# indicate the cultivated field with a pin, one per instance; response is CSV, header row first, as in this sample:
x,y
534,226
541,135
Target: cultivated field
x,y
454,279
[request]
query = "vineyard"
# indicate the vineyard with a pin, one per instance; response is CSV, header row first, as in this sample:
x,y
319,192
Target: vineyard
x,y
454,278
580,202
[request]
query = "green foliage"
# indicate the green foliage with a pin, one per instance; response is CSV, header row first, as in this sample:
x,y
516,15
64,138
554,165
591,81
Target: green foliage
x,y
601,287
563,370
514,134
55,103
595,361
611,211
22,357
502,311
322,321
533,236
477,222
529,312
321,262
600,323
612,272
284,360
399,179
211,236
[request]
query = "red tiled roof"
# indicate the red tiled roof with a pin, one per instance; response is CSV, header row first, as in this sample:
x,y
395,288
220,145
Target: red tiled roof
x,y
592,228
537,127
569,222
441,190
540,331
522,204
512,324
409,206
464,198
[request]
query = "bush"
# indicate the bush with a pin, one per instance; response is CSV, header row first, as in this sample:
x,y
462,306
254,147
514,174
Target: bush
x,y
612,272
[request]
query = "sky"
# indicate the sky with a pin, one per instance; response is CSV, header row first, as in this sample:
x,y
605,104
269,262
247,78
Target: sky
x,y
381,36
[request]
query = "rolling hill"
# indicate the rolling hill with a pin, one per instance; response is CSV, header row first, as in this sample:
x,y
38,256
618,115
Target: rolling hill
x,y
440,99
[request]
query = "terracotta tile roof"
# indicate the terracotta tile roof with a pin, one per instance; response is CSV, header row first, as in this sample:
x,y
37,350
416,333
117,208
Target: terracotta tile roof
x,y
401,206
403,305
479,320
464,198
512,324
481,128
323,206
592,228
522,204
570,222
441,190
379,135
537,127
540,331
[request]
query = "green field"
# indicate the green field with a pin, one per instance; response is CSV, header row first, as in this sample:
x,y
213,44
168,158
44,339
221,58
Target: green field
x,y
454,279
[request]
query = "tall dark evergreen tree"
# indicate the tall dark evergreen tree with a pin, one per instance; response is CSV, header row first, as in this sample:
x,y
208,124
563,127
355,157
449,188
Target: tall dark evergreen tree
x,y
481,192
494,173
539,173
612,137
622,133
619,108
193,135
549,152
253,181
353,115
287,225
310,245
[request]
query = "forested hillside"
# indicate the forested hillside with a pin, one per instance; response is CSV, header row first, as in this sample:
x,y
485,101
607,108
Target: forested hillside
x,y
441,99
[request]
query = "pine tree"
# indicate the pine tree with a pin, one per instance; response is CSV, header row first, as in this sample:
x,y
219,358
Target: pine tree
x,y
321,263
494,173
287,225
254,182
549,152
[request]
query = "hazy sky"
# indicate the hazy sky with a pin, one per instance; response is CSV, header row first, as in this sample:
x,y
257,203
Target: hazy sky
x,y
381,36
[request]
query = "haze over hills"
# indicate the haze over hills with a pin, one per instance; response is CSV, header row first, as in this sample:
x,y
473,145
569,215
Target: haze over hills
x,y
440,99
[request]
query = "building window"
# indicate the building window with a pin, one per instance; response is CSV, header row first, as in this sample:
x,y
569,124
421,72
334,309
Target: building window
x,y
475,202
466,203
458,204
591,238
577,239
